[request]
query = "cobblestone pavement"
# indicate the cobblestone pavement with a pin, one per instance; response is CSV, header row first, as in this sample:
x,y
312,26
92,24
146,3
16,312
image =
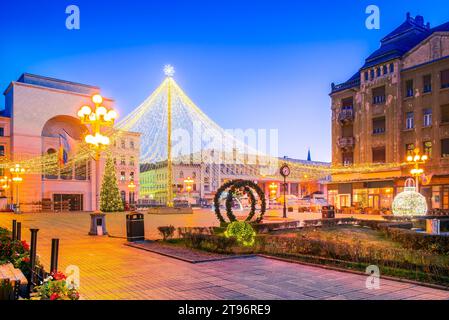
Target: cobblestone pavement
x,y
111,270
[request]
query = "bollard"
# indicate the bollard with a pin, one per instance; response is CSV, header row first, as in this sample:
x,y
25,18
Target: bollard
x,y
33,246
54,255
14,230
19,231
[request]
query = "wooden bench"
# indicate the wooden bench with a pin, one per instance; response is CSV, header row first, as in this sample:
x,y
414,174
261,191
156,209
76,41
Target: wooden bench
x,y
12,282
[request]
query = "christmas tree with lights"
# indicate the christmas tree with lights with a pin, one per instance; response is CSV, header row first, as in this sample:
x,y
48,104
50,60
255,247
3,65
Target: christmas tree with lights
x,y
110,200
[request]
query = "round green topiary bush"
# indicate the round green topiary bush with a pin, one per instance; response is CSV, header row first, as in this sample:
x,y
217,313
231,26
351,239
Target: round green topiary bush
x,y
242,231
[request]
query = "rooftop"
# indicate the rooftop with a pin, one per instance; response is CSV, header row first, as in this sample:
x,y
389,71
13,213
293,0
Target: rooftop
x,y
395,45
53,83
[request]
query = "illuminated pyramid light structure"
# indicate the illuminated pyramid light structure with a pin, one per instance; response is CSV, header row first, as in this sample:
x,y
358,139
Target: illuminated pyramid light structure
x,y
168,114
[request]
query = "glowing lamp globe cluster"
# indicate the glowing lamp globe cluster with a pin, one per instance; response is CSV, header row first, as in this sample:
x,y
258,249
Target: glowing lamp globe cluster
x,y
409,203
97,117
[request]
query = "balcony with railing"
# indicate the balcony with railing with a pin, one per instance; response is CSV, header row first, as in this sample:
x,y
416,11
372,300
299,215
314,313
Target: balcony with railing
x,y
346,142
346,116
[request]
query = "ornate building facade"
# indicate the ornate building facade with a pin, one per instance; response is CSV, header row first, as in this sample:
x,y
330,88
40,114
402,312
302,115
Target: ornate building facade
x,y
39,117
396,102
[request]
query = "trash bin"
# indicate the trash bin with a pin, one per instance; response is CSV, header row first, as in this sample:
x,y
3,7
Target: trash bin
x,y
328,212
331,212
135,227
324,211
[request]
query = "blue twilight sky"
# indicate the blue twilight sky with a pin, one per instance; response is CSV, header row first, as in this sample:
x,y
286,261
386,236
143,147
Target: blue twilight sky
x,y
247,64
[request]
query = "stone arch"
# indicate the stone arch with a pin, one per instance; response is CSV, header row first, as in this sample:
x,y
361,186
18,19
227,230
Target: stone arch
x,y
63,123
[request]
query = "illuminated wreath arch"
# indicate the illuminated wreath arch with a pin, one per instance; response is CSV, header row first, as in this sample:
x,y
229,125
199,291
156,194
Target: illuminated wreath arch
x,y
234,185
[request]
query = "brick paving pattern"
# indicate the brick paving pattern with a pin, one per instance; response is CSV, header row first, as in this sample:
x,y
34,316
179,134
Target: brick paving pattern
x,y
111,270
181,253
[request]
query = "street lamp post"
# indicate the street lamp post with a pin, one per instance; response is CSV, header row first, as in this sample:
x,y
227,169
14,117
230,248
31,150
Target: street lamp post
x,y
273,190
188,185
17,171
131,187
6,185
416,160
97,117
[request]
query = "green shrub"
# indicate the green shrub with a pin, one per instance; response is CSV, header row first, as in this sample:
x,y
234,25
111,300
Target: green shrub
x,y
242,231
357,253
401,232
183,231
167,232
211,243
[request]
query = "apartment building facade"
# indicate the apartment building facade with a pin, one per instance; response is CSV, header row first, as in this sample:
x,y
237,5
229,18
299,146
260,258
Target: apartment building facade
x,y
397,101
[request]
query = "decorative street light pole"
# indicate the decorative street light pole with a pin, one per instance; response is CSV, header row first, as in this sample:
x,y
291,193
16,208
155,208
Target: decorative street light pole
x,y
188,185
17,171
285,172
273,190
6,185
131,187
416,160
97,118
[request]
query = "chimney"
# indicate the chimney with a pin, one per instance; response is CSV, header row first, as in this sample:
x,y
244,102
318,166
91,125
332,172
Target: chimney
x,y
408,16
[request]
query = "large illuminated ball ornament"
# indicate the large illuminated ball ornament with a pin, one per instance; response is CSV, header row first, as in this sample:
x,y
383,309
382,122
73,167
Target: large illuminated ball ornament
x,y
409,203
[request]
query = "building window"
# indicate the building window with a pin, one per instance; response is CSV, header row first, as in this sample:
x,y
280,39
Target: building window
x,y
2,151
123,160
427,83
378,72
379,95
131,176
379,125
409,149
409,120
122,176
123,144
427,146
348,158
131,144
379,155
181,174
366,75
427,117
409,88
372,74
347,103
2,132
131,161
445,79
445,113
391,67
385,69
445,148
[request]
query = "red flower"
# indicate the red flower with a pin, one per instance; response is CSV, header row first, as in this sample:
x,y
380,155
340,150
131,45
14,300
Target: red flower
x,y
54,296
58,276
25,245
26,260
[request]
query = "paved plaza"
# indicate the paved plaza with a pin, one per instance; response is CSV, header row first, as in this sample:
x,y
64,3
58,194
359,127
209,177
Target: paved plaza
x,y
111,270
